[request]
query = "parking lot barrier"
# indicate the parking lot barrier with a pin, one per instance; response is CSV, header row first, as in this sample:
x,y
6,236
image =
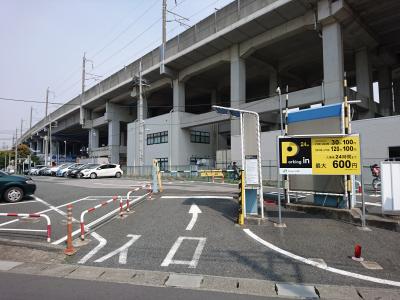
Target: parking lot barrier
x,y
70,250
47,230
129,194
149,192
91,210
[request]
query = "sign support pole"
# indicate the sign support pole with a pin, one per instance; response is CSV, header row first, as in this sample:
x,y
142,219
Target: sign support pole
x,y
363,221
279,185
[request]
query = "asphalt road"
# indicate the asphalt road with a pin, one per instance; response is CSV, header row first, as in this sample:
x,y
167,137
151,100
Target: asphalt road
x,y
22,287
154,236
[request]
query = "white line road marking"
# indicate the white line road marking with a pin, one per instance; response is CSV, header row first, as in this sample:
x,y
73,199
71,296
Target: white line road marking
x,y
319,265
102,243
29,201
43,211
196,197
168,260
78,231
117,185
53,207
123,250
195,211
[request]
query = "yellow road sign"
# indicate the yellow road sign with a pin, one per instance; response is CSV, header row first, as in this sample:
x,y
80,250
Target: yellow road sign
x,y
320,155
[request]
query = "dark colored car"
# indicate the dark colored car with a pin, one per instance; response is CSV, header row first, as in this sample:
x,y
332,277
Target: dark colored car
x,y
75,171
14,187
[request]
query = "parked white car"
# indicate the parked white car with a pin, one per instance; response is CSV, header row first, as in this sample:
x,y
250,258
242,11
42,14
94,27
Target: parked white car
x,y
104,170
35,170
62,172
56,168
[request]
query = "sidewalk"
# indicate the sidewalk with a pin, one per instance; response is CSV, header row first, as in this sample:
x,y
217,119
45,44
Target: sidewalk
x,y
43,264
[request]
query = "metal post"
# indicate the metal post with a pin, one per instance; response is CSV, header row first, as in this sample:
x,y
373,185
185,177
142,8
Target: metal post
x,y
261,190
65,148
47,102
348,185
164,33
140,117
16,151
243,162
278,184
286,177
82,119
363,222
50,145
30,119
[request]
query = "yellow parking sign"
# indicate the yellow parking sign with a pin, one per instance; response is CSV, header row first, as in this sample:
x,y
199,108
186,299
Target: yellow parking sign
x,y
327,155
336,155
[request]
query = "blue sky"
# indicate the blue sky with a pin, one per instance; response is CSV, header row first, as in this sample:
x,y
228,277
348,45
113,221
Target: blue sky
x,y
42,43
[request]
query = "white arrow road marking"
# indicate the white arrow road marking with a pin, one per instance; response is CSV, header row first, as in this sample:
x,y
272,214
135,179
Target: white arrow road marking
x,y
123,251
195,211
319,265
102,243
196,256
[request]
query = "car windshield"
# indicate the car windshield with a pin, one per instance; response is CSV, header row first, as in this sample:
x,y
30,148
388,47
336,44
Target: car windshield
x,y
87,166
92,166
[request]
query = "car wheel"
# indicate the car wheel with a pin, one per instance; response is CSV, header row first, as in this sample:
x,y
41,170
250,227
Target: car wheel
x,y
65,174
118,174
79,175
93,176
13,194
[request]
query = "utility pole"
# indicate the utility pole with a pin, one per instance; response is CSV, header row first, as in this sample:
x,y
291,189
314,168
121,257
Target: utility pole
x,y
46,145
47,101
16,151
141,122
82,117
30,119
164,33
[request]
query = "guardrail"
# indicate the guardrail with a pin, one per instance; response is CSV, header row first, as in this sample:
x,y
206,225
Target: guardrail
x,y
48,230
82,218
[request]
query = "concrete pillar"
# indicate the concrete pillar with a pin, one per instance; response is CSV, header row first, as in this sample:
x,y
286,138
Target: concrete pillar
x,y
273,83
364,82
385,91
114,140
332,44
93,138
43,145
178,95
396,90
214,97
238,85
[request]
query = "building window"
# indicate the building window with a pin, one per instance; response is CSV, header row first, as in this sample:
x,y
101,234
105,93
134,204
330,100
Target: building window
x,y
163,163
200,137
157,138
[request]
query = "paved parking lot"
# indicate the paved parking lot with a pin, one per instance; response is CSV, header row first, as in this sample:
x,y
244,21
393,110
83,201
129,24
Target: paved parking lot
x,y
190,228
52,197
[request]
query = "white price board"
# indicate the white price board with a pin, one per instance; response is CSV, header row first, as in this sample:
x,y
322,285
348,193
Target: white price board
x,y
251,169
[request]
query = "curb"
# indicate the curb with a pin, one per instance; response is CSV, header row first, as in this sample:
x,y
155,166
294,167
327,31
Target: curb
x,y
198,282
32,245
351,216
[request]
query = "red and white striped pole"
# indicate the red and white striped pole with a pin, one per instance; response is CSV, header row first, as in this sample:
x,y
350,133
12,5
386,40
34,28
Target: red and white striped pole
x,y
48,229
114,198
70,248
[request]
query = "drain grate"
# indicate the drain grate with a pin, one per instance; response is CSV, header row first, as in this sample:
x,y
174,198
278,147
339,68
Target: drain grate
x,y
296,291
